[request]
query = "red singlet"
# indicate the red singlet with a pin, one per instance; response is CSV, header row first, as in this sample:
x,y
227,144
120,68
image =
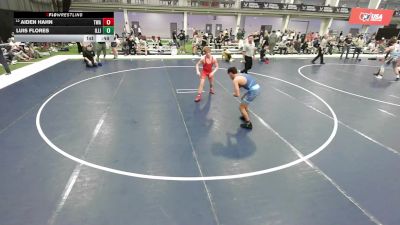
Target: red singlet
x,y
207,67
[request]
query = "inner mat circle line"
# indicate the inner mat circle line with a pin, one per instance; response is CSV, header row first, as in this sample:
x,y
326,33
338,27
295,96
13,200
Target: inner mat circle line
x,y
340,90
176,178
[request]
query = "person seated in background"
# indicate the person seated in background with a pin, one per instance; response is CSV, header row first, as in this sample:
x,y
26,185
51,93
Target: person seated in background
x,y
159,45
210,38
282,47
304,47
310,48
142,46
290,47
32,52
331,43
131,44
226,39
218,42
18,53
372,47
89,56
226,55
297,46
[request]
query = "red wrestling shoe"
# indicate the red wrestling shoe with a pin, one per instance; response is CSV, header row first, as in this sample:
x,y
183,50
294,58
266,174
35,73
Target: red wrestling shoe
x,y
198,98
212,91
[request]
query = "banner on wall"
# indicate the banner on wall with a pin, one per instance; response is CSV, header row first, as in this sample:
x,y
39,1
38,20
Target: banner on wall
x,y
294,7
367,16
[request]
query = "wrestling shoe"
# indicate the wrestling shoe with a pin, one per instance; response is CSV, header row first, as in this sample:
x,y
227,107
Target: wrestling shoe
x,y
198,98
247,125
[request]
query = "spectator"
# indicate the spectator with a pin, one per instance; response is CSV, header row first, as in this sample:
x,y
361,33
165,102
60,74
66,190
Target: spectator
x,y
159,45
226,55
3,60
175,38
78,44
372,47
310,48
348,41
304,47
17,53
359,44
340,44
264,47
330,45
218,42
204,41
196,42
131,46
101,47
32,52
282,47
240,34
142,45
256,39
182,38
88,56
114,45
297,46
226,39
226,32
279,34
273,39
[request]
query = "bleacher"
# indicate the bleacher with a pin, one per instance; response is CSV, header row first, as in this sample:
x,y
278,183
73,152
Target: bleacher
x,y
169,47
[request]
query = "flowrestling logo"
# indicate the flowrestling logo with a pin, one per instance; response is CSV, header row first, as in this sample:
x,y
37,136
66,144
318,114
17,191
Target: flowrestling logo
x,y
366,17
370,16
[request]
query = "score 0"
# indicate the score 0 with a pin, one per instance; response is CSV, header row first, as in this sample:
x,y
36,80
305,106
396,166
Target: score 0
x,y
108,21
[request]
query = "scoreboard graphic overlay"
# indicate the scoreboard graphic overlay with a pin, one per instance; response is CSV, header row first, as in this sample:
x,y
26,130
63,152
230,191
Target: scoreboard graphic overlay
x,y
64,27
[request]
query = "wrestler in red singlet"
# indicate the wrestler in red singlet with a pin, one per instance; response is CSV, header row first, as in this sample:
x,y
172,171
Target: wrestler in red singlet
x,y
208,61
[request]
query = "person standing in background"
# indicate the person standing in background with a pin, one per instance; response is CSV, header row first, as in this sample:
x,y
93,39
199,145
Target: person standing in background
x,y
320,55
324,44
114,45
359,44
182,38
249,50
256,37
264,47
175,38
346,46
101,47
3,61
273,39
